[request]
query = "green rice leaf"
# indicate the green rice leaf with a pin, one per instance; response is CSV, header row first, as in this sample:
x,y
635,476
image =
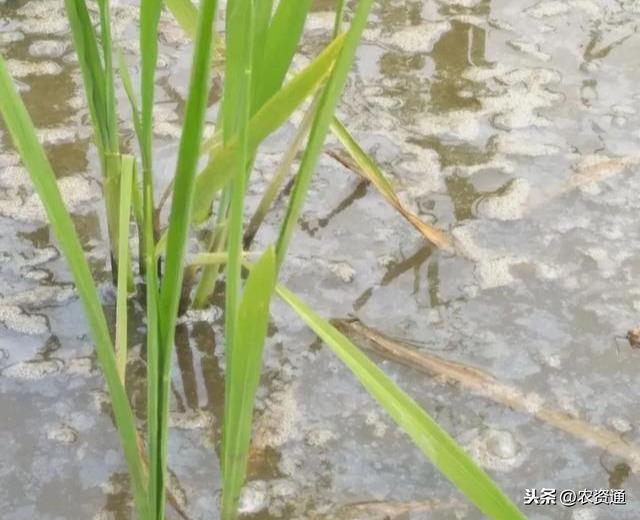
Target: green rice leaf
x,y
156,484
268,119
244,28
186,15
126,186
328,104
179,218
149,18
435,443
86,44
280,46
244,376
262,16
111,121
23,134
273,189
238,12
125,77
337,28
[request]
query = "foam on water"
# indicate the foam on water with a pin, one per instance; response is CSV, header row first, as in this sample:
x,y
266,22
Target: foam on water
x,y
47,48
76,191
508,205
32,370
14,318
23,69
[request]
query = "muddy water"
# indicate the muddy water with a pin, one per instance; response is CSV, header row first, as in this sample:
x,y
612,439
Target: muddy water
x,y
515,125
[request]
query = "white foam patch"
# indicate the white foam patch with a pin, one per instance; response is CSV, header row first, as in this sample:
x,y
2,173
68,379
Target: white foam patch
x,y
280,420
10,37
418,38
522,144
23,69
43,296
492,269
462,124
192,420
14,318
549,8
497,450
509,205
54,24
62,433
76,192
530,49
47,48
32,370
55,136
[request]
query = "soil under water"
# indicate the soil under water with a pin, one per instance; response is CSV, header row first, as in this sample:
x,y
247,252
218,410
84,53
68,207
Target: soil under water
x,y
513,125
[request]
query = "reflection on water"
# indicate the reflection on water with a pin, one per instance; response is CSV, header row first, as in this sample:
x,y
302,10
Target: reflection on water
x,y
515,126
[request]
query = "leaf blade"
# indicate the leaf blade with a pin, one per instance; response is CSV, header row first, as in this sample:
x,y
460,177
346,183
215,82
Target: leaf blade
x,y
244,374
434,442
24,137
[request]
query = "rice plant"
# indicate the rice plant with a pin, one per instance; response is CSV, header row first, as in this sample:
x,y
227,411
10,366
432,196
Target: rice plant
x,y
261,92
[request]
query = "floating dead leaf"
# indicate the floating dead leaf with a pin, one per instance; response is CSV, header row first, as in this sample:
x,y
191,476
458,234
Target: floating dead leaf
x,y
486,385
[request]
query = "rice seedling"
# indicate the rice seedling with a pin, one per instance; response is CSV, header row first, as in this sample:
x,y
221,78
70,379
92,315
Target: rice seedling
x,y
261,39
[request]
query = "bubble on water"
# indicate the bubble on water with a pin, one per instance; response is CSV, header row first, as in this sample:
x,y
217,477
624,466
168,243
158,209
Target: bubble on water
x,y
621,424
321,20
210,314
192,420
22,69
319,437
466,3
530,76
42,296
531,49
37,275
496,272
55,24
55,136
41,256
40,8
62,433
14,177
342,270
14,318
497,450
603,260
47,48
623,110
81,366
172,33
463,125
522,144
549,8
379,426
280,421
254,497
585,513
591,8
10,37
32,370
75,190
418,38
167,129
510,204
533,402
